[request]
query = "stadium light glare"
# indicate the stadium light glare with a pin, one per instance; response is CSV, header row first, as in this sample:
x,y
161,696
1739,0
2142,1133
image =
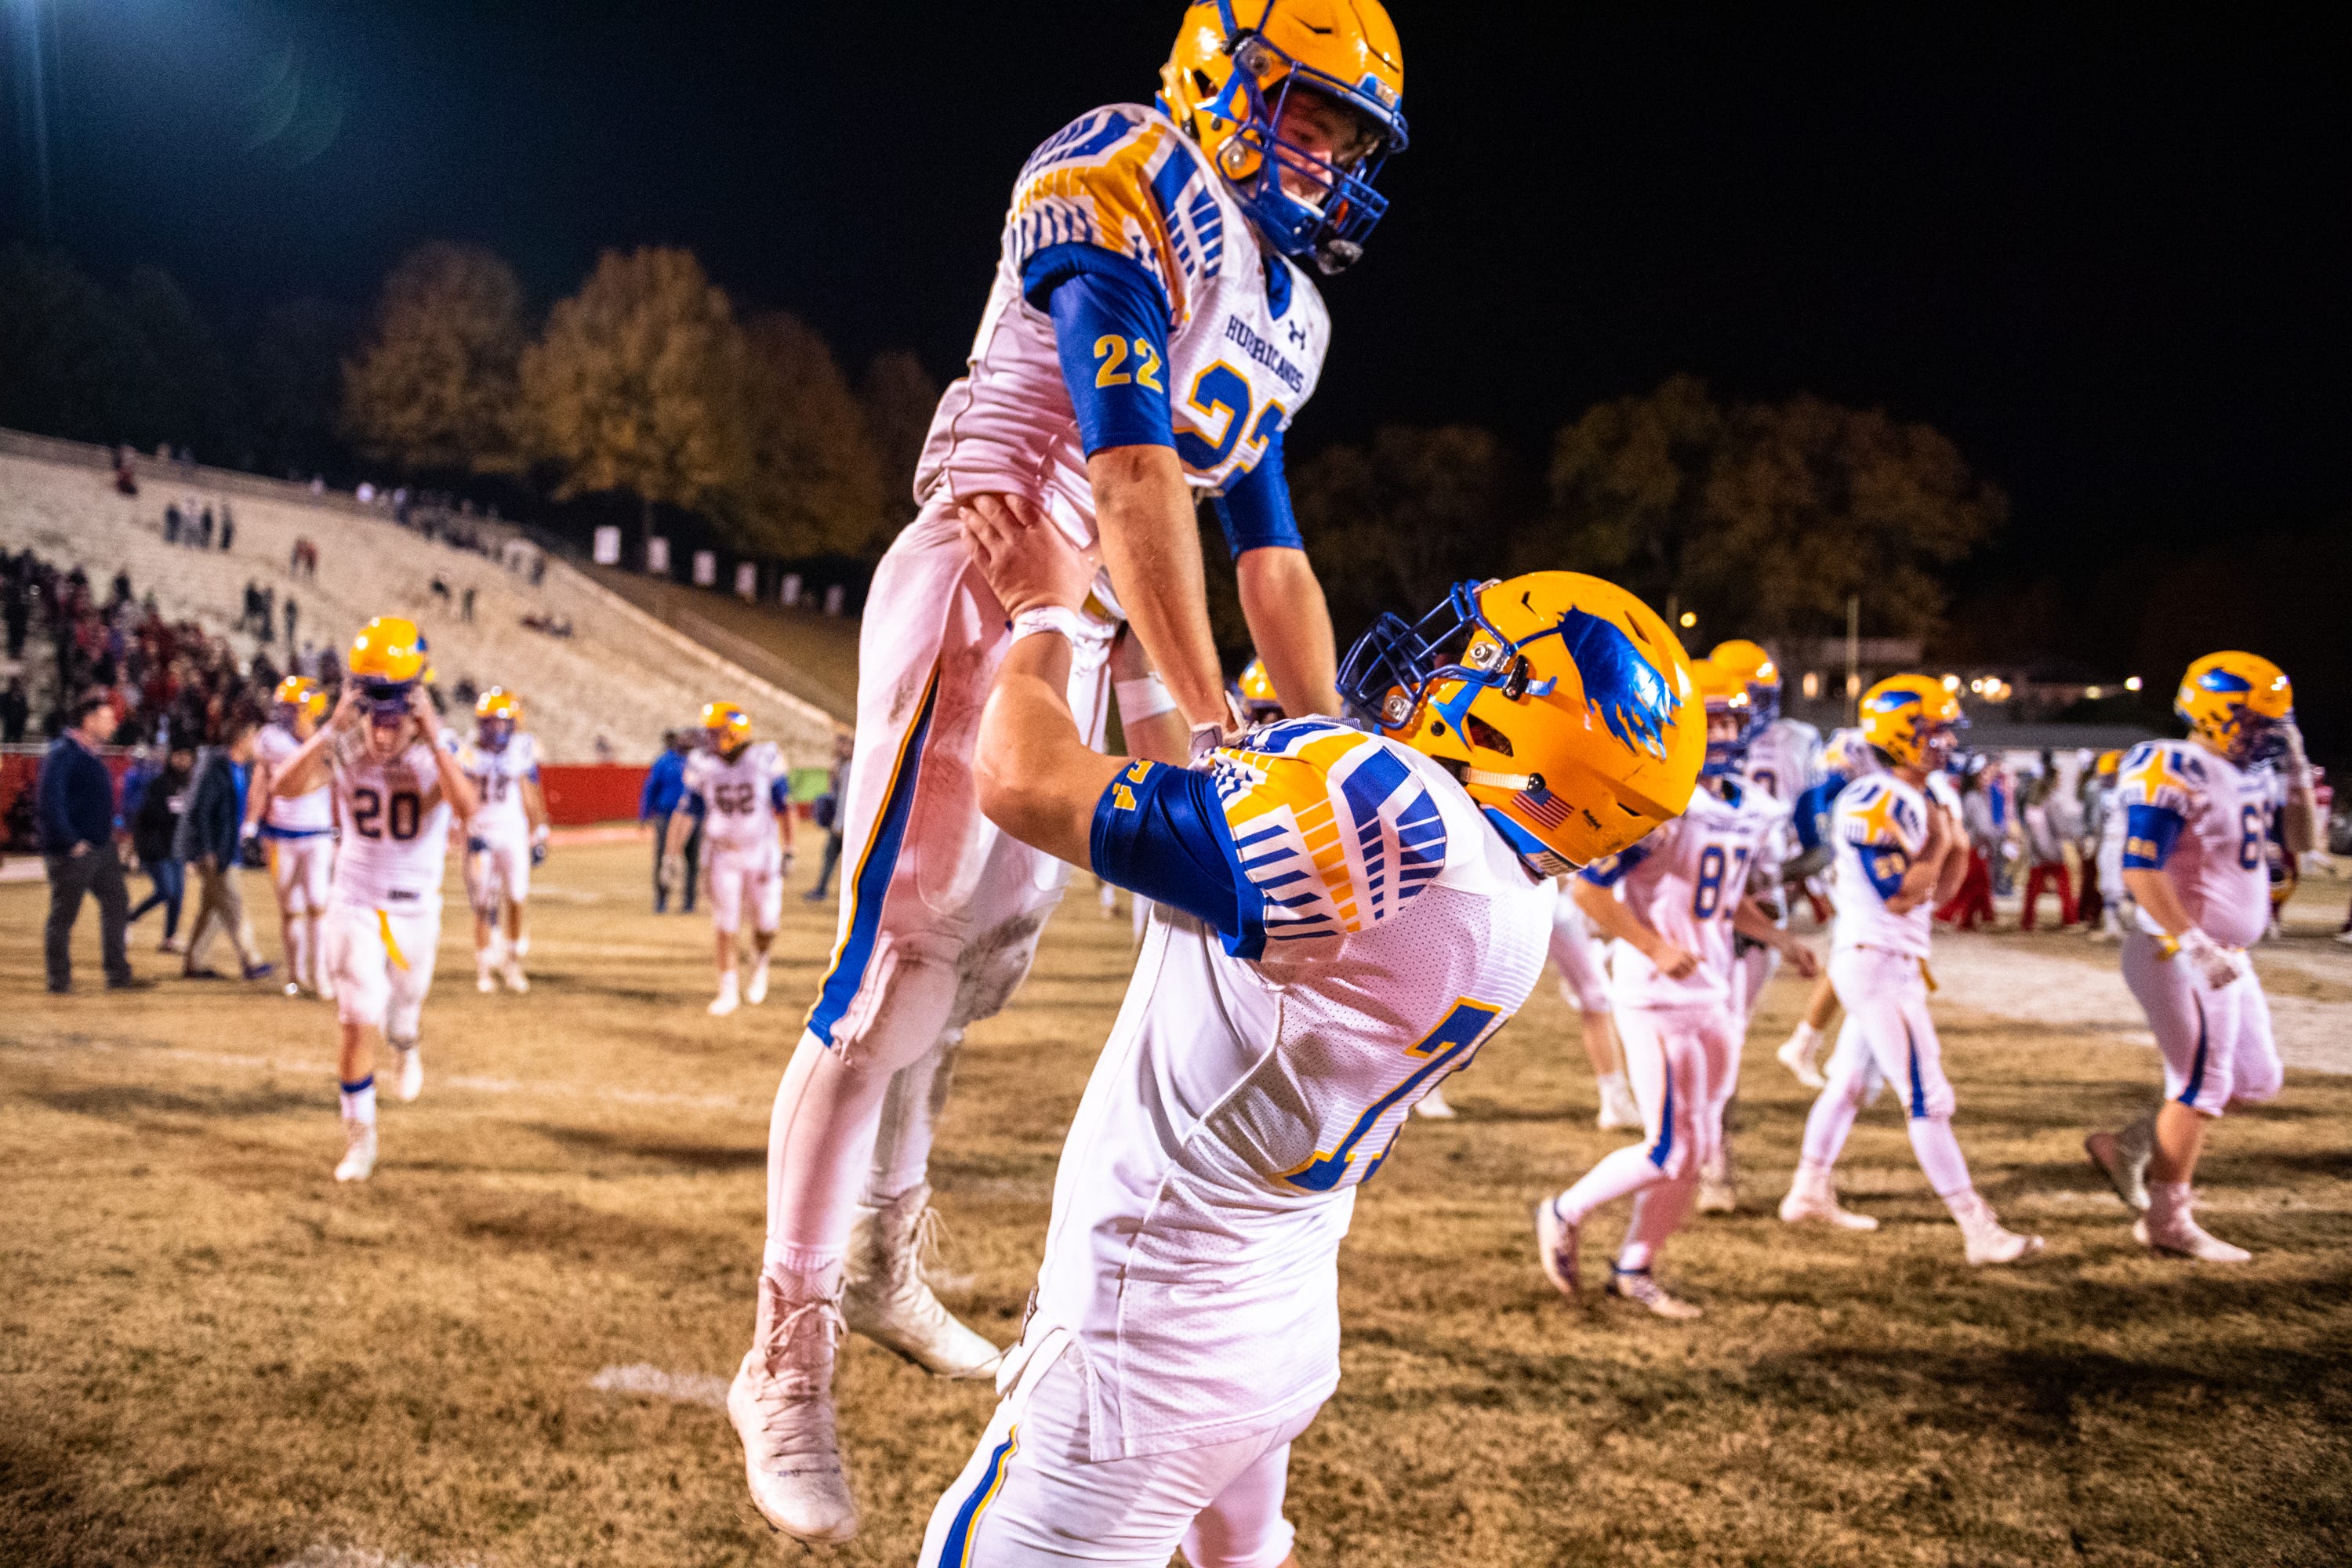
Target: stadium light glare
x,y
2132,684
1951,683
2094,692
1690,619
1812,684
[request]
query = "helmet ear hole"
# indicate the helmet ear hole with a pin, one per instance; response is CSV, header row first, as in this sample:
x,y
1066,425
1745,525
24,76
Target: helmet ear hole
x,y
1481,733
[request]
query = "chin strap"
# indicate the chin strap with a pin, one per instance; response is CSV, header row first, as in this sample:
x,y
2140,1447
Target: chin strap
x,y
1514,781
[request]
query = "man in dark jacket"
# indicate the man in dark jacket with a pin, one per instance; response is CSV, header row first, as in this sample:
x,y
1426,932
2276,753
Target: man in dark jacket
x,y
210,840
665,789
77,810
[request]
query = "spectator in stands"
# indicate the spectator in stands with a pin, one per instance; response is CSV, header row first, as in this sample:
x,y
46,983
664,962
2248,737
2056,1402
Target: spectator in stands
x,y
825,812
155,830
171,522
77,813
291,613
229,527
665,788
210,839
204,530
466,606
15,712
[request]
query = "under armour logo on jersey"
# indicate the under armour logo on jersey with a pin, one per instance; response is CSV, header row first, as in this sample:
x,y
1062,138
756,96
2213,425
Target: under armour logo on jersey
x,y
1626,689
1298,335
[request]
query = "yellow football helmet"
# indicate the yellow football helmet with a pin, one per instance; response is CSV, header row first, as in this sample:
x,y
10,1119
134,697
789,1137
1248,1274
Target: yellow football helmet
x,y
1234,67
1749,661
1724,689
497,713
297,698
2234,704
2109,762
388,658
1255,689
1912,721
1566,701
728,726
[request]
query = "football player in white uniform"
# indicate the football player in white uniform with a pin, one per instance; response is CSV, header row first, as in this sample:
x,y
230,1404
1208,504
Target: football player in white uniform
x,y
740,791
397,783
1151,332
506,839
1845,758
1900,851
1345,920
1671,904
297,826
2198,816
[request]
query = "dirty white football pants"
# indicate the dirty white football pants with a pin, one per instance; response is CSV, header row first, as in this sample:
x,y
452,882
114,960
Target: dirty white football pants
x,y
940,911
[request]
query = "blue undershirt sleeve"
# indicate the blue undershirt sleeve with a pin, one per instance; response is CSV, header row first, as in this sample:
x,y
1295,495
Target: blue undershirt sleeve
x,y
1110,331
780,794
1609,869
1255,510
1160,831
2149,834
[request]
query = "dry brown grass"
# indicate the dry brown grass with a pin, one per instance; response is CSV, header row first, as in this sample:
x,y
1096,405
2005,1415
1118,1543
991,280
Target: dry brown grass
x,y
211,1353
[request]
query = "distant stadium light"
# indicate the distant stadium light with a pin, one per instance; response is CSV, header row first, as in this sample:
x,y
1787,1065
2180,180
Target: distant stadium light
x,y
1812,684
1690,619
1951,683
1977,686
2094,692
2132,684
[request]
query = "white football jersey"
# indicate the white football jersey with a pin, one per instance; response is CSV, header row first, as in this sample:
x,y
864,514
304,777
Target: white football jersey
x,y
395,841
1879,827
1785,761
311,812
1246,329
741,795
2206,824
499,777
1685,881
1371,931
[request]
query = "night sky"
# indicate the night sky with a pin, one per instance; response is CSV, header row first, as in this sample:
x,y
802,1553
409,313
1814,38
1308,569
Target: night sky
x,y
2109,260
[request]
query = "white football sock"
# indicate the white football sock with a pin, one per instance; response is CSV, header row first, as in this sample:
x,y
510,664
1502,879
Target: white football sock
x,y
359,1100
1940,1155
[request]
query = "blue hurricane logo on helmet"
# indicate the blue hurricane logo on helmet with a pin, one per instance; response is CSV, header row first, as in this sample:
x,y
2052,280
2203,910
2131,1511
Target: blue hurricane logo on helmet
x,y
1626,689
2223,681
1888,701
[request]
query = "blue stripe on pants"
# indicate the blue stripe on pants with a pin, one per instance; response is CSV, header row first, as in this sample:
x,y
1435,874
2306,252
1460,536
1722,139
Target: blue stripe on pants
x,y
956,1551
2197,1066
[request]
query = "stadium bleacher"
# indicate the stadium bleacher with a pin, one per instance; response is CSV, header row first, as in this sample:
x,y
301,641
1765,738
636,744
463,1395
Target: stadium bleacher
x,y
606,691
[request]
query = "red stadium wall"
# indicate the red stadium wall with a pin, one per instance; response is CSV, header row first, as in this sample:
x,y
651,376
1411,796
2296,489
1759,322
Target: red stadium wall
x,y
579,793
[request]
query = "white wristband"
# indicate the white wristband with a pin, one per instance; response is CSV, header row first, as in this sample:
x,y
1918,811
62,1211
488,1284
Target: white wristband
x,y
1064,622
1145,697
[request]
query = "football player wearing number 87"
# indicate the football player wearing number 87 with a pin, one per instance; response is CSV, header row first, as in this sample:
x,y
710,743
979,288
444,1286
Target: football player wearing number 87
x,y
397,783
2196,819
1344,919
1152,328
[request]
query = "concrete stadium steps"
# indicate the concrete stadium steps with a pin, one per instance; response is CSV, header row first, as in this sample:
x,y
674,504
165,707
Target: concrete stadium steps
x,y
621,675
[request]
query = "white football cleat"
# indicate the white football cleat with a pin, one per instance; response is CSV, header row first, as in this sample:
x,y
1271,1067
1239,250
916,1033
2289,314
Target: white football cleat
x,y
1816,1203
757,992
728,999
2187,1238
885,1297
1639,1286
412,1071
1555,1250
2122,1157
1620,1112
780,1405
1989,1242
1718,1196
1432,1105
485,978
359,1151
517,981
1801,1053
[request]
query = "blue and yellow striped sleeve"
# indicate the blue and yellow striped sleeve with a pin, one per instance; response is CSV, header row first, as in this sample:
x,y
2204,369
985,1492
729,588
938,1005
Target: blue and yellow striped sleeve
x,y
1160,831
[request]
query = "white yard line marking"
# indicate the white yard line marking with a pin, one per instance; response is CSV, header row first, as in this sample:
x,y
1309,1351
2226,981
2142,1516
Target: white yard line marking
x,y
652,1382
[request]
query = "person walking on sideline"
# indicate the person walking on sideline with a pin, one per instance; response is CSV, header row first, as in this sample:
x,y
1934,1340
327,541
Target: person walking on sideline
x,y
665,790
827,813
77,813
154,831
211,839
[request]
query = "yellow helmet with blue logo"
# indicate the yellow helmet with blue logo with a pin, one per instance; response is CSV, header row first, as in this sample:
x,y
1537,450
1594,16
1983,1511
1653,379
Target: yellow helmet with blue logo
x,y
1756,668
388,658
1255,689
1234,68
1912,721
2234,703
497,713
727,725
1566,702
298,697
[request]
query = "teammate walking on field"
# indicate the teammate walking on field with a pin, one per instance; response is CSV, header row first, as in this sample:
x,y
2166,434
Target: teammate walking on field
x,y
397,784
1345,920
295,818
1152,330
506,839
1899,854
741,792
1846,757
2198,816
1671,904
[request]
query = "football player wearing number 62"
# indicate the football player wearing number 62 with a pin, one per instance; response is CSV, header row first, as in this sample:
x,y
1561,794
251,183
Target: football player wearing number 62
x,y
397,784
740,790
1151,330
1344,919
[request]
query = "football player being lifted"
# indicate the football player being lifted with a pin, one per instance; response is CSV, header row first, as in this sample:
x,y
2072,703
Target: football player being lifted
x,y
1345,920
2196,820
296,825
740,790
1153,327
507,837
397,784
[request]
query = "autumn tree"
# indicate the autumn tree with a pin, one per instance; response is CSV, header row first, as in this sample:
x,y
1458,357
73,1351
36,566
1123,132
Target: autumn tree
x,y
1764,517
814,484
434,385
640,383
899,397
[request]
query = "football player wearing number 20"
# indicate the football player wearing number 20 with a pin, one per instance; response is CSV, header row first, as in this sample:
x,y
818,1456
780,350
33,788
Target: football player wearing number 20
x,y
1343,920
1152,328
397,783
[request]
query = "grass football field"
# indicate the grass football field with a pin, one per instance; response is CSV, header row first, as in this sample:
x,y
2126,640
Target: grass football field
x,y
506,1349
